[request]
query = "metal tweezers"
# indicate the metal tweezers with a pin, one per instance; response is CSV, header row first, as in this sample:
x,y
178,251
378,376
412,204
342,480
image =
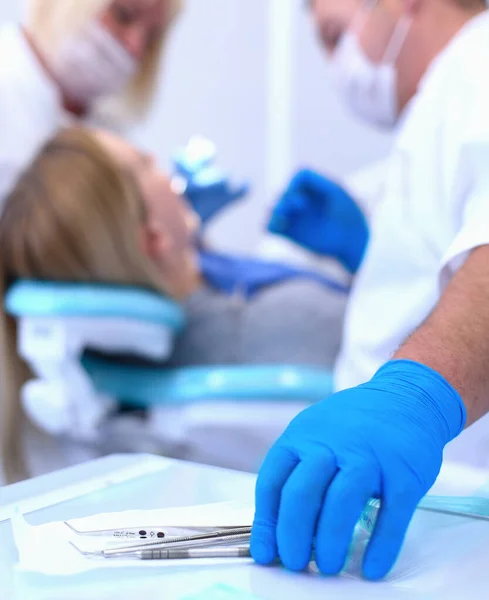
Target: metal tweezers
x,y
200,545
150,533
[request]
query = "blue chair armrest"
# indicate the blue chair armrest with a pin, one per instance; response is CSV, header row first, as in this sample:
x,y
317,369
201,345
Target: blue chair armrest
x,y
148,386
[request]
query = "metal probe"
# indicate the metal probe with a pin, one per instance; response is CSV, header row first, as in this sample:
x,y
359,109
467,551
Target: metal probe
x,y
182,553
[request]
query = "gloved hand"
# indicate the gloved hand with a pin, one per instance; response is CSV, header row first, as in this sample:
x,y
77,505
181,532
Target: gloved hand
x,y
321,216
210,197
383,439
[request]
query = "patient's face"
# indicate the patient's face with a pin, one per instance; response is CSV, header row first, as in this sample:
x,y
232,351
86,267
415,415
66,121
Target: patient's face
x,y
172,226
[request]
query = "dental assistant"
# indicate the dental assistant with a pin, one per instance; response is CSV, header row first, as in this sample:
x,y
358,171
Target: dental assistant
x,y
89,61
413,369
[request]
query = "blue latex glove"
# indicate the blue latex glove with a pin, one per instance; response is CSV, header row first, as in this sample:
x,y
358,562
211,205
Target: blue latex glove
x,y
209,197
383,439
321,216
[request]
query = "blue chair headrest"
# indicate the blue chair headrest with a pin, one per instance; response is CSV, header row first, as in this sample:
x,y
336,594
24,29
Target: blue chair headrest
x,y
55,299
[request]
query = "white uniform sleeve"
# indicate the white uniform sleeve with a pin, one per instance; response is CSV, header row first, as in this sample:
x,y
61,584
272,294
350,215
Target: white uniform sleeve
x,y
367,186
9,161
30,107
474,228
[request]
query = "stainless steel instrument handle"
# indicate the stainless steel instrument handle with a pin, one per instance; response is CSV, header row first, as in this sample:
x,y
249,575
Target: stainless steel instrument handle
x,y
229,536
180,553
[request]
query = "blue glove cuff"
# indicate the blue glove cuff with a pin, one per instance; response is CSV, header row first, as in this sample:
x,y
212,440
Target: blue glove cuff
x,y
432,389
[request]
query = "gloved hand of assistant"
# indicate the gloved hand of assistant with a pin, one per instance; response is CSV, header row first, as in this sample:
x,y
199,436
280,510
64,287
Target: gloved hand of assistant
x,y
321,216
383,439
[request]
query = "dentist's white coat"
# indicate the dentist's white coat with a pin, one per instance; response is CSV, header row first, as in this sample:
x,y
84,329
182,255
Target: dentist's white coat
x,y
434,208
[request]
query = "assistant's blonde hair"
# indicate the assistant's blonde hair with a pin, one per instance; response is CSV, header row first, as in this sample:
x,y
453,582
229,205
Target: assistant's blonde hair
x,y
50,22
75,215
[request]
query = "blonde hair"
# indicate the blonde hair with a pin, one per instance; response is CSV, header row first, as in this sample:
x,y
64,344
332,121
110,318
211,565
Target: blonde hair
x,y
52,21
75,215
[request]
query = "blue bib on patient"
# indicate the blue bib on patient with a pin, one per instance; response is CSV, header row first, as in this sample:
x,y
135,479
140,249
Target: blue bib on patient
x,y
233,274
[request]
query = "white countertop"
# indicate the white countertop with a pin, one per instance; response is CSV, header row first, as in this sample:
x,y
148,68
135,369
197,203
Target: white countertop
x,y
155,482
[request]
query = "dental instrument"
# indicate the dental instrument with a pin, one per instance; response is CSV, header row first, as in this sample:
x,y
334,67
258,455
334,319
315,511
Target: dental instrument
x,y
180,553
230,536
146,532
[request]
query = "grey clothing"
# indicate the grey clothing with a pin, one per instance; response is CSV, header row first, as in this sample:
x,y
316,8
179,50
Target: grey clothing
x,y
296,322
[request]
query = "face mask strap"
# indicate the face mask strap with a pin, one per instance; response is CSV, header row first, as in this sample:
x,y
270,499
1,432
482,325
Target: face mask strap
x,y
397,40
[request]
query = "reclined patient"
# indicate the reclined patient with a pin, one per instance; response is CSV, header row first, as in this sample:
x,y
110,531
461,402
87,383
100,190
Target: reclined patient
x,y
91,208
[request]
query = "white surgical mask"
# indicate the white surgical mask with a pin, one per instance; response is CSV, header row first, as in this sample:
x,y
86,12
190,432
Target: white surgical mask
x,y
93,64
368,88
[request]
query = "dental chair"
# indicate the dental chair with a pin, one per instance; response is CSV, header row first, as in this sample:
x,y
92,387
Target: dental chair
x,y
97,354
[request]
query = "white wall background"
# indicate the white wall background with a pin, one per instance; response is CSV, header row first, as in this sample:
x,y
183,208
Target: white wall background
x,y
216,83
